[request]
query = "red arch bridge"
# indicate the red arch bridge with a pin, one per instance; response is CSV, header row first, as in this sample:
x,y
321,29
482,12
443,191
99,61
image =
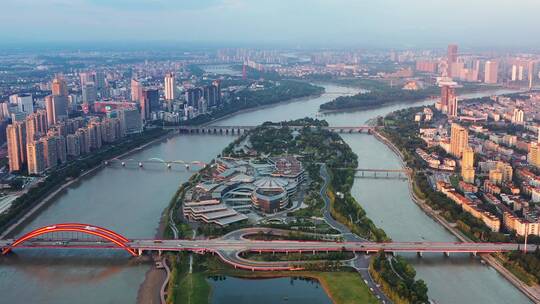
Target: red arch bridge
x,y
77,235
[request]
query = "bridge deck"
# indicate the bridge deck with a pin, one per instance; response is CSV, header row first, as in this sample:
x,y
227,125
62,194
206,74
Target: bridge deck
x,y
215,245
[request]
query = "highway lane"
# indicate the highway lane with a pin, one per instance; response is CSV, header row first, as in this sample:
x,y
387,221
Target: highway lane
x,y
283,246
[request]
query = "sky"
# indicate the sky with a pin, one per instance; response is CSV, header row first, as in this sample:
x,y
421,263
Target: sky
x,y
295,23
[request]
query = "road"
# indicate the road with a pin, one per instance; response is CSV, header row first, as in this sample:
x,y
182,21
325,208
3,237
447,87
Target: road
x,y
344,230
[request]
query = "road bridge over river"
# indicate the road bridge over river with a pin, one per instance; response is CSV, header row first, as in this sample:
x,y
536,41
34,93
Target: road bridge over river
x,y
229,247
238,130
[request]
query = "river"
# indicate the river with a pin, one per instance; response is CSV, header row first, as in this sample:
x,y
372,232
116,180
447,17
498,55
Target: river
x,y
130,201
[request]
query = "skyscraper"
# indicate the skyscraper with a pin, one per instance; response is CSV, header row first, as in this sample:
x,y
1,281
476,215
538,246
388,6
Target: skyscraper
x,y
89,93
170,86
36,157
530,74
73,146
193,95
16,142
517,116
25,103
467,165
59,86
152,95
57,108
453,106
101,84
130,120
217,85
136,90
49,151
452,55
459,140
36,125
447,93
491,70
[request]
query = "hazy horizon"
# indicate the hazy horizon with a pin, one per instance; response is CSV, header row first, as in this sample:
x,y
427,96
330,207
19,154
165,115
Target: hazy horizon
x,y
293,23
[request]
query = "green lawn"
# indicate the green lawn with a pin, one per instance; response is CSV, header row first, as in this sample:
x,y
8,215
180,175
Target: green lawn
x,y
346,287
193,289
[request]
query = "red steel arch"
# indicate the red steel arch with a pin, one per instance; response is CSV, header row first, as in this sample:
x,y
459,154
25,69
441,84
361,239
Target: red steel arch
x,y
109,235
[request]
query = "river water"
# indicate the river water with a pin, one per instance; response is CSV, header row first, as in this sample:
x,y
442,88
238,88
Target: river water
x,y
130,201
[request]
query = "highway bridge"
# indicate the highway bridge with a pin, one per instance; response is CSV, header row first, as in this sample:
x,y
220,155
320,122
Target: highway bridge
x,y
238,130
230,247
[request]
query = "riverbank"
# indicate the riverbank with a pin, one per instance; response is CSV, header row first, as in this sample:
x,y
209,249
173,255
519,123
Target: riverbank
x,y
533,293
42,203
401,101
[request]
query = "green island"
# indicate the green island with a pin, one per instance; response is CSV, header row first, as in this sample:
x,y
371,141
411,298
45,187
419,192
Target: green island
x,y
403,132
380,92
314,146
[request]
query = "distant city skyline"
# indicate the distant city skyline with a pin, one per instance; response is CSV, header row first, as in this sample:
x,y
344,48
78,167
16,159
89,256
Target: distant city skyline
x,y
295,23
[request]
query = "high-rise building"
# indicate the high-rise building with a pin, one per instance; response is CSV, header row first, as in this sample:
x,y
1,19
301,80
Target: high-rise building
x,y
61,148
84,140
49,151
467,165
36,157
211,94
452,56
16,142
25,103
152,95
447,93
86,77
136,90
94,130
506,171
452,53
73,145
111,130
89,93
130,121
453,106
57,108
192,96
170,86
491,72
459,140
36,125
517,116
217,85
534,152
530,74
59,86
101,84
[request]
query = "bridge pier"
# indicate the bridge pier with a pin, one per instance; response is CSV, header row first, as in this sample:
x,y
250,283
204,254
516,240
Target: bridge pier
x,y
420,254
159,253
447,254
139,252
474,253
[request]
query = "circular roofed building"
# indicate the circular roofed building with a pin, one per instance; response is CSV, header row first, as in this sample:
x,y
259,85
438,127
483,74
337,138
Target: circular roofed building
x,y
270,194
